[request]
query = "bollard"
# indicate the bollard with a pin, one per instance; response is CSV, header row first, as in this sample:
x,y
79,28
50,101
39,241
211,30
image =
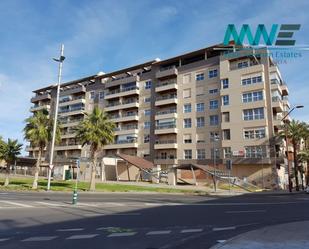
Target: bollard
x,y
74,201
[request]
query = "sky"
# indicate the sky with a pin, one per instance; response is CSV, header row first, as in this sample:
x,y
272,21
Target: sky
x,y
109,35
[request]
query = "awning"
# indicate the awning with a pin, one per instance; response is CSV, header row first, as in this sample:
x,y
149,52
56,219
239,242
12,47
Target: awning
x,y
137,161
206,168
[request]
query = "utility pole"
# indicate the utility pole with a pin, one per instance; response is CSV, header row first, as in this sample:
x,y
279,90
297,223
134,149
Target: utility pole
x,y
52,147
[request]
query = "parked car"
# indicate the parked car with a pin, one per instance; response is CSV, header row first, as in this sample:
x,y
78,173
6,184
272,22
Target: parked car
x,y
307,189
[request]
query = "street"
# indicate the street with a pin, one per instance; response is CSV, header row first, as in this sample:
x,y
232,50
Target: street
x,y
138,221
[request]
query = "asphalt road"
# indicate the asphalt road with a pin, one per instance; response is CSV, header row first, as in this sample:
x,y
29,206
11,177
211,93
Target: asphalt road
x,y
138,221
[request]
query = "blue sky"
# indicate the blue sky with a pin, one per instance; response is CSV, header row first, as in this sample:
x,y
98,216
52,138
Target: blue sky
x,y
108,35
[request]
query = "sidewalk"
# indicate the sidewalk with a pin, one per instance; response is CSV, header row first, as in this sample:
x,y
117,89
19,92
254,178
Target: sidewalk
x,y
285,236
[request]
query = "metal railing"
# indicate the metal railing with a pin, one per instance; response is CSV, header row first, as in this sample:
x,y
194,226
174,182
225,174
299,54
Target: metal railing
x,y
166,141
166,97
166,83
126,89
166,112
165,126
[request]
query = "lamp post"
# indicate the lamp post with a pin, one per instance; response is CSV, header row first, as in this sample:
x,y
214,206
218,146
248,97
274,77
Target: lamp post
x,y
287,142
51,158
215,138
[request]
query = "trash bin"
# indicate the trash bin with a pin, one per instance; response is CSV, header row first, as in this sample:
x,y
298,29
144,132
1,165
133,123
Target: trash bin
x,y
67,175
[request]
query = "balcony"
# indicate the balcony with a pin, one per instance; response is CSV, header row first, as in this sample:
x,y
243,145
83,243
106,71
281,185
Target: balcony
x,y
68,147
166,100
39,97
167,85
73,90
71,123
122,144
165,129
285,89
166,114
167,72
68,135
122,80
73,101
125,117
122,92
130,129
277,103
162,160
124,105
277,121
39,108
166,144
286,102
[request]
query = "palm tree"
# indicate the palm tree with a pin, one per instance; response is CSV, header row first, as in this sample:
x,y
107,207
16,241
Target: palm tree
x,y
96,130
294,134
9,153
304,154
38,131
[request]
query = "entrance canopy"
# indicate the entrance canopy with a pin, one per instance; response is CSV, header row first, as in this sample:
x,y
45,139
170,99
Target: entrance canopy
x,y
139,162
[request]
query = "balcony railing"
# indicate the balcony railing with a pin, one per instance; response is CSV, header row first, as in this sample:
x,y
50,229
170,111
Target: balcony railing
x,y
126,128
122,90
166,141
70,99
72,110
166,97
166,83
276,99
162,69
165,126
127,141
166,112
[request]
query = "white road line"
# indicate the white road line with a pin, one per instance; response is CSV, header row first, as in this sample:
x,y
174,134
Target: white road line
x,y
191,230
215,229
87,204
17,204
83,236
221,241
4,239
113,204
159,232
50,204
70,230
41,238
128,214
245,211
122,234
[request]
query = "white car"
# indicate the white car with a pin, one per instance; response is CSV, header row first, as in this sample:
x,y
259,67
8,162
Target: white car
x,y
307,190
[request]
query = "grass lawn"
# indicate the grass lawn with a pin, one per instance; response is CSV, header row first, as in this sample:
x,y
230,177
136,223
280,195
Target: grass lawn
x,y
25,184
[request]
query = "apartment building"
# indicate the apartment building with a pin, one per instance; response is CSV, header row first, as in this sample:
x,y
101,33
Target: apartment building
x,y
193,108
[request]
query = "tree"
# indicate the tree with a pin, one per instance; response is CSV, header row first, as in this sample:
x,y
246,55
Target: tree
x,y
38,131
293,130
96,130
8,152
304,154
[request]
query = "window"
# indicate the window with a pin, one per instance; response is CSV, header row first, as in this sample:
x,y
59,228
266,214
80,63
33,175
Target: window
x,y
226,134
146,138
243,64
213,119
187,123
92,95
187,108
226,117
225,100
227,152
188,154
199,76
252,96
200,138
187,138
200,91
255,133
186,93
213,104
251,80
101,95
255,151
147,100
225,83
187,78
214,91
200,122
200,154
253,114
200,107
148,84
213,73
147,112
147,125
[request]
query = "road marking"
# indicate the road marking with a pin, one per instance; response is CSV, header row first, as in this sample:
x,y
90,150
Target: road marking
x,y
87,204
221,241
4,239
113,204
215,229
39,238
50,204
245,211
128,214
191,230
70,230
17,204
159,232
83,236
122,234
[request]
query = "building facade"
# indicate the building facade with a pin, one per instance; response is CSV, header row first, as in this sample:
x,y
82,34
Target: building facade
x,y
202,107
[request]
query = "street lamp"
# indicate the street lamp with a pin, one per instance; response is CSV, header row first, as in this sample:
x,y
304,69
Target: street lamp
x,y
287,142
215,139
51,158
